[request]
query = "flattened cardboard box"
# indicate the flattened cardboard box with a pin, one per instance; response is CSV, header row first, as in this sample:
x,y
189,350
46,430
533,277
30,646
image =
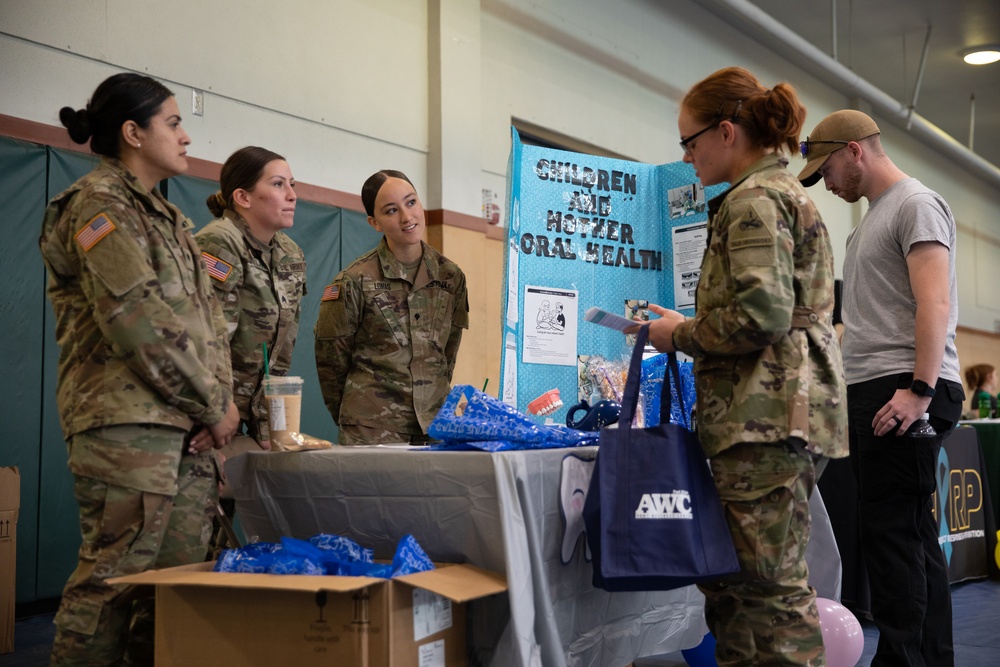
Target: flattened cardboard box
x,y
218,619
10,503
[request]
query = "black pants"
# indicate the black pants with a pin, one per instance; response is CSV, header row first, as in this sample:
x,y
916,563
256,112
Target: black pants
x,y
907,572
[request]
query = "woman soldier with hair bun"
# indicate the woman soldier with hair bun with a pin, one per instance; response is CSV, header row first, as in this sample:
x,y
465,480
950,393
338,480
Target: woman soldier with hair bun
x,y
144,382
770,387
259,275
390,325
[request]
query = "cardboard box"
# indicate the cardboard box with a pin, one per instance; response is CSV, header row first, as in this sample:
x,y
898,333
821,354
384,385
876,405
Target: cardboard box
x,y
10,502
217,619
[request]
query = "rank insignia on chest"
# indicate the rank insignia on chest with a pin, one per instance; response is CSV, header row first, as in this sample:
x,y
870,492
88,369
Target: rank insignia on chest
x,y
331,293
217,268
99,227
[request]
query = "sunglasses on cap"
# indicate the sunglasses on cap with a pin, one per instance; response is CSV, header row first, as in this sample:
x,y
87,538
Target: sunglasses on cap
x,y
804,145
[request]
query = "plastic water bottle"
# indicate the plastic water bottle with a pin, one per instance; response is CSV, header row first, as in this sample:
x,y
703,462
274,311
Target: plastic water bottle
x,y
922,428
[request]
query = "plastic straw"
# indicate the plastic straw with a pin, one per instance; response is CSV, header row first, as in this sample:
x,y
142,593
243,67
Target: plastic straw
x,y
267,372
486,382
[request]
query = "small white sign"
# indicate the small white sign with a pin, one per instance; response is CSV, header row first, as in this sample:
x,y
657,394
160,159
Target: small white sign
x,y
431,614
512,262
510,370
431,655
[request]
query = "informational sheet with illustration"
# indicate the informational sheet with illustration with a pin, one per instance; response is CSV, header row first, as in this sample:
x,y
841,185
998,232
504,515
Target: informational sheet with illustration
x,y
550,324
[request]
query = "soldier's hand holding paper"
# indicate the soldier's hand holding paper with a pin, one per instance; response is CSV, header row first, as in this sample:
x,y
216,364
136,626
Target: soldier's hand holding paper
x,y
661,331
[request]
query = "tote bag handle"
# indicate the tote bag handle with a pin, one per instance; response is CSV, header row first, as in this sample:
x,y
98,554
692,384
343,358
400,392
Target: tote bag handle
x,y
630,397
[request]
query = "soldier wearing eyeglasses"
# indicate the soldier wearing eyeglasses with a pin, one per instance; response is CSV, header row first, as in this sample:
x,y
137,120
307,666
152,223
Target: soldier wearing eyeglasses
x,y
766,362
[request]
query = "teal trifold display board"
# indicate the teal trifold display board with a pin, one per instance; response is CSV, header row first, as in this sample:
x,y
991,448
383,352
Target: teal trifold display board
x,y
587,231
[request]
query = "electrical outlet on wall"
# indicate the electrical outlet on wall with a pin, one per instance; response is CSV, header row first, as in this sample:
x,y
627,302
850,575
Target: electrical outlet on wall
x,y
197,102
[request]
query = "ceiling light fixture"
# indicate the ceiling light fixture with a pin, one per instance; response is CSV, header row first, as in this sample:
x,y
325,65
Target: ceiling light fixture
x,y
982,55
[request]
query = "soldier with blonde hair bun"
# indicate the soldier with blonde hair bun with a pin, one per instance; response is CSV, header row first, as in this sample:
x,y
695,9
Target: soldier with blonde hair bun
x,y
770,387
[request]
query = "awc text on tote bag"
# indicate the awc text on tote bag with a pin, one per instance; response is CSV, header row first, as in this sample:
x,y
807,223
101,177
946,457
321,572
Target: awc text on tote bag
x,y
653,516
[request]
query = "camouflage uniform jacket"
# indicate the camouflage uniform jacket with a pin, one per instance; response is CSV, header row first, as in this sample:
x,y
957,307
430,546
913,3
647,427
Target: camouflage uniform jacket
x,y
141,335
767,363
385,350
261,288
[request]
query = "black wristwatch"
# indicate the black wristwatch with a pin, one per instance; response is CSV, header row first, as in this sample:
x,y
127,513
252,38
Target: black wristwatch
x,y
921,388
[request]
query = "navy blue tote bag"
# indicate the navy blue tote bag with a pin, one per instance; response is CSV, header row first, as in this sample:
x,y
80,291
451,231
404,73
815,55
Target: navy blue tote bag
x,y
653,516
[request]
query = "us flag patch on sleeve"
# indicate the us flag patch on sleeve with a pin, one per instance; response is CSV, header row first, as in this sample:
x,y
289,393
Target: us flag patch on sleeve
x,y
99,227
331,292
217,268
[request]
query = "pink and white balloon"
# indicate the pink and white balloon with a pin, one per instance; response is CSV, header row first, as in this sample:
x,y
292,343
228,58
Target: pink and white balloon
x,y
843,638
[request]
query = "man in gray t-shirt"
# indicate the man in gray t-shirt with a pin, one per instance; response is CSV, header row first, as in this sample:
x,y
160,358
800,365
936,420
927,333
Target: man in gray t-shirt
x,y
900,309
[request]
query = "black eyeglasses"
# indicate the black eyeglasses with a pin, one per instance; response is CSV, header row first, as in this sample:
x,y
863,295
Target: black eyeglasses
x,y
685,144
804,145
734,118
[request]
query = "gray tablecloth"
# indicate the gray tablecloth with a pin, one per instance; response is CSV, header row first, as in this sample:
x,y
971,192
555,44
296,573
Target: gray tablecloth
x,y
498,511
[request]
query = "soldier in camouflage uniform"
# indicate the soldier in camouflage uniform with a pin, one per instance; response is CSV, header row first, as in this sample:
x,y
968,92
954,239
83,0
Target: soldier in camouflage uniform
x,y
767,363
259,275
144,388
390,325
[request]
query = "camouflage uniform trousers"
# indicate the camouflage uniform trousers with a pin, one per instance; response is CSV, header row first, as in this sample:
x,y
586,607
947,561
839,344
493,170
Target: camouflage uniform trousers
x,y
766,613
127,530
352,435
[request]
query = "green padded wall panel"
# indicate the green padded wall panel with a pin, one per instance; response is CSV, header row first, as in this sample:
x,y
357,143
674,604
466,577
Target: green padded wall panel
x,y
59,515
317,231
358,235
22,302
188,194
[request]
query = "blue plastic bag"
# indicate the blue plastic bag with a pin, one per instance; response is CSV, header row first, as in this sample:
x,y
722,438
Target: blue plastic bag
x,y
492,425
651,385
323,555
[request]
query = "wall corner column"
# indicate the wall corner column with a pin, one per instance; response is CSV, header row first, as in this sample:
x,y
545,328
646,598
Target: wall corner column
x,y
454,157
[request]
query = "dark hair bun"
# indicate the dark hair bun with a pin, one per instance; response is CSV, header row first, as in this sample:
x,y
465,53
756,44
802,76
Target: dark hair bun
x,y
77,122
216,204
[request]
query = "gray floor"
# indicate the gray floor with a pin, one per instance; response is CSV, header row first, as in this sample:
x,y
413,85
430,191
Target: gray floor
x,y
976,619
976,609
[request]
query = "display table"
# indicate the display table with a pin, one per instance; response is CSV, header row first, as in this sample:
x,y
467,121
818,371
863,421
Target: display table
x,y
988,431
498,511
968,536
501,512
